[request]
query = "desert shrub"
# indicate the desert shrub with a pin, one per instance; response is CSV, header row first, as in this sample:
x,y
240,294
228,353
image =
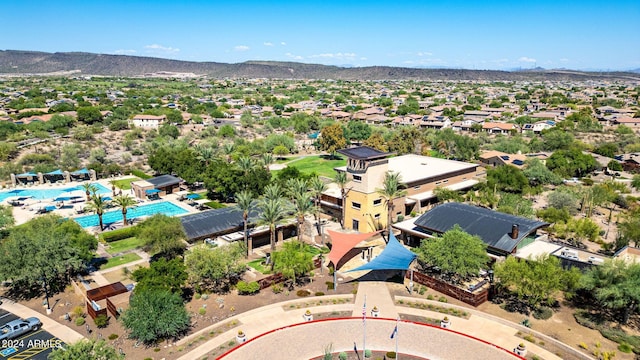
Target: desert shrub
x,y
442,299
543,313
113,336
625,348
391,355
302,293
319,293
78,311
329,285
342,356
529,338
202,311
101,321
367,353
80,321
245,288
140,174
119,234
276,288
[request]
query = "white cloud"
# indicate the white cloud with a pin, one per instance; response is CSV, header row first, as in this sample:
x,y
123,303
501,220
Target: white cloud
x,y
155,48
124,52
283,43
294,57
424,53
267,43
526,59
241,48
334,56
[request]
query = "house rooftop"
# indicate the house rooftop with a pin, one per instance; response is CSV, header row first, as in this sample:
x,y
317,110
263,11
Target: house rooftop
x,y
363,153
417,167
215,222
164,181
494,228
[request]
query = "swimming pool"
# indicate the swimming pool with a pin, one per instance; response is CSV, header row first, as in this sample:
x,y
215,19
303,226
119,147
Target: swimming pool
x,y
160,207
42,194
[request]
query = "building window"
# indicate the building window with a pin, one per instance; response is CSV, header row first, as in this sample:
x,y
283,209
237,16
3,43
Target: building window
x,y
445,181
417,187
377,202
355,205
376,216
357,178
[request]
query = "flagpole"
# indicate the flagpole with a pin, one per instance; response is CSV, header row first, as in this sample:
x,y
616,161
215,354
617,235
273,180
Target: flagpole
x,y
364,326
397,322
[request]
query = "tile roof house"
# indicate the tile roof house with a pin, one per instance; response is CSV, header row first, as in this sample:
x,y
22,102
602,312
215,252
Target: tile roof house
x,y
498,158
148,121
498,128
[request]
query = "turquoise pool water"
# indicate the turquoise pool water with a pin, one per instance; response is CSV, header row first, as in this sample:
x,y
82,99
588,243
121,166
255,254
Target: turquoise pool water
x,y
42,194
160,207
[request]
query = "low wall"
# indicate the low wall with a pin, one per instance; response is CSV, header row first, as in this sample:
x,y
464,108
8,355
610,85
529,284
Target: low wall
x,y
472,298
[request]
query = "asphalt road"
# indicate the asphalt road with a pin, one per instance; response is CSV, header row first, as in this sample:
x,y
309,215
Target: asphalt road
x,y
34,345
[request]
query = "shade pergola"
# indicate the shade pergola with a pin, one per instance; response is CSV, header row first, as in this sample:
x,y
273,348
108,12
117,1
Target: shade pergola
x,y
393,257
342,243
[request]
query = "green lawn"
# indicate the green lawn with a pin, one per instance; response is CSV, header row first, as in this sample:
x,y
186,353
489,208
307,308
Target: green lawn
x,y
119,246
317,164
119,260
257,264
283,160
125,184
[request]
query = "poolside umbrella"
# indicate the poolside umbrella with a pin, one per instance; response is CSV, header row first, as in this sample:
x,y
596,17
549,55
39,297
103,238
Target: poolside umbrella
x,y
62,198
15,191
193,196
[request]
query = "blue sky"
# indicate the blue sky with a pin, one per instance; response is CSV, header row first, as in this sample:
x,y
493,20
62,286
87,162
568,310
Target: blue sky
x,y
478,34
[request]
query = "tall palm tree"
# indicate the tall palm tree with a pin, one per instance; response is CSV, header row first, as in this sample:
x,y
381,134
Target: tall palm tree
x,y
341,179
391,189
98,205
114,186
244,200
228,149
272,211
295,188
125,202
205,154
302,206
89,189
317,187
272,191
266,160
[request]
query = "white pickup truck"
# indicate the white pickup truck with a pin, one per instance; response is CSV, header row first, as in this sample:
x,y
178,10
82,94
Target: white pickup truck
x,y
15,328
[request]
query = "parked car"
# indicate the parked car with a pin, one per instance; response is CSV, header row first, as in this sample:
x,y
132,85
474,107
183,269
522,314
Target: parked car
x,y
15,328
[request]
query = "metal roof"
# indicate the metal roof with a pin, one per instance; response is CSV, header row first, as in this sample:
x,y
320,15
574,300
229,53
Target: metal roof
x,y
363,153
494,228
164,180
216,221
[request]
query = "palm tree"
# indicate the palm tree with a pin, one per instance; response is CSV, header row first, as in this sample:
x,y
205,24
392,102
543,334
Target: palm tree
x,y
205,154
295,188
273,210
391,189
272,191
98,205
317,187
302,206
89,189
114,185
244,200
341,180
228,149
124,202
266,160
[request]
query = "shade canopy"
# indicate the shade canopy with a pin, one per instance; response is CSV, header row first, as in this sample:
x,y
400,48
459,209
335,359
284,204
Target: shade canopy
x,y
193,196
393,257
342,243
28,174
152,191
83,171
55,172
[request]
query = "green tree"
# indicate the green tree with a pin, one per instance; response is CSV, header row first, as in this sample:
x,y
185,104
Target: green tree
x,y
615,286
98,205
162,235
535,281
538,174
215,269
89,115
227,131
302,205
635,182
507,178
332,139
292,260
614,165
272,211
391,189
156,315
556,139
563,200
124,202
629,227
515,204
455,252
6,217
161,274
169,130
244,200
45,249
568,163
445,195
358,130
86,349
377,142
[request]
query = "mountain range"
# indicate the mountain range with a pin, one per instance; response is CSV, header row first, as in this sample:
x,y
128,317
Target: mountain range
x,y
17,62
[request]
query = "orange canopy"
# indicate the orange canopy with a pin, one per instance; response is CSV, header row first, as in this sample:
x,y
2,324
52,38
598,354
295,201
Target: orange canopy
x,y
342,243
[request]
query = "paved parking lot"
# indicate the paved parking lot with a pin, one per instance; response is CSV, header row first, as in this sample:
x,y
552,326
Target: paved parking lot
x,y
35,345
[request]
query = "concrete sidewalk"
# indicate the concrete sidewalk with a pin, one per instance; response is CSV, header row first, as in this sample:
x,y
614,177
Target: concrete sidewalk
x,y
58,330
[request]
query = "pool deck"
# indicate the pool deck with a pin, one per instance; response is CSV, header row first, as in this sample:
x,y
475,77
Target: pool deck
x,y
28,211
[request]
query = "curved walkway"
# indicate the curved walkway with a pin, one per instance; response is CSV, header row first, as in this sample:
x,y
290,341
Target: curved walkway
x,y
264,320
